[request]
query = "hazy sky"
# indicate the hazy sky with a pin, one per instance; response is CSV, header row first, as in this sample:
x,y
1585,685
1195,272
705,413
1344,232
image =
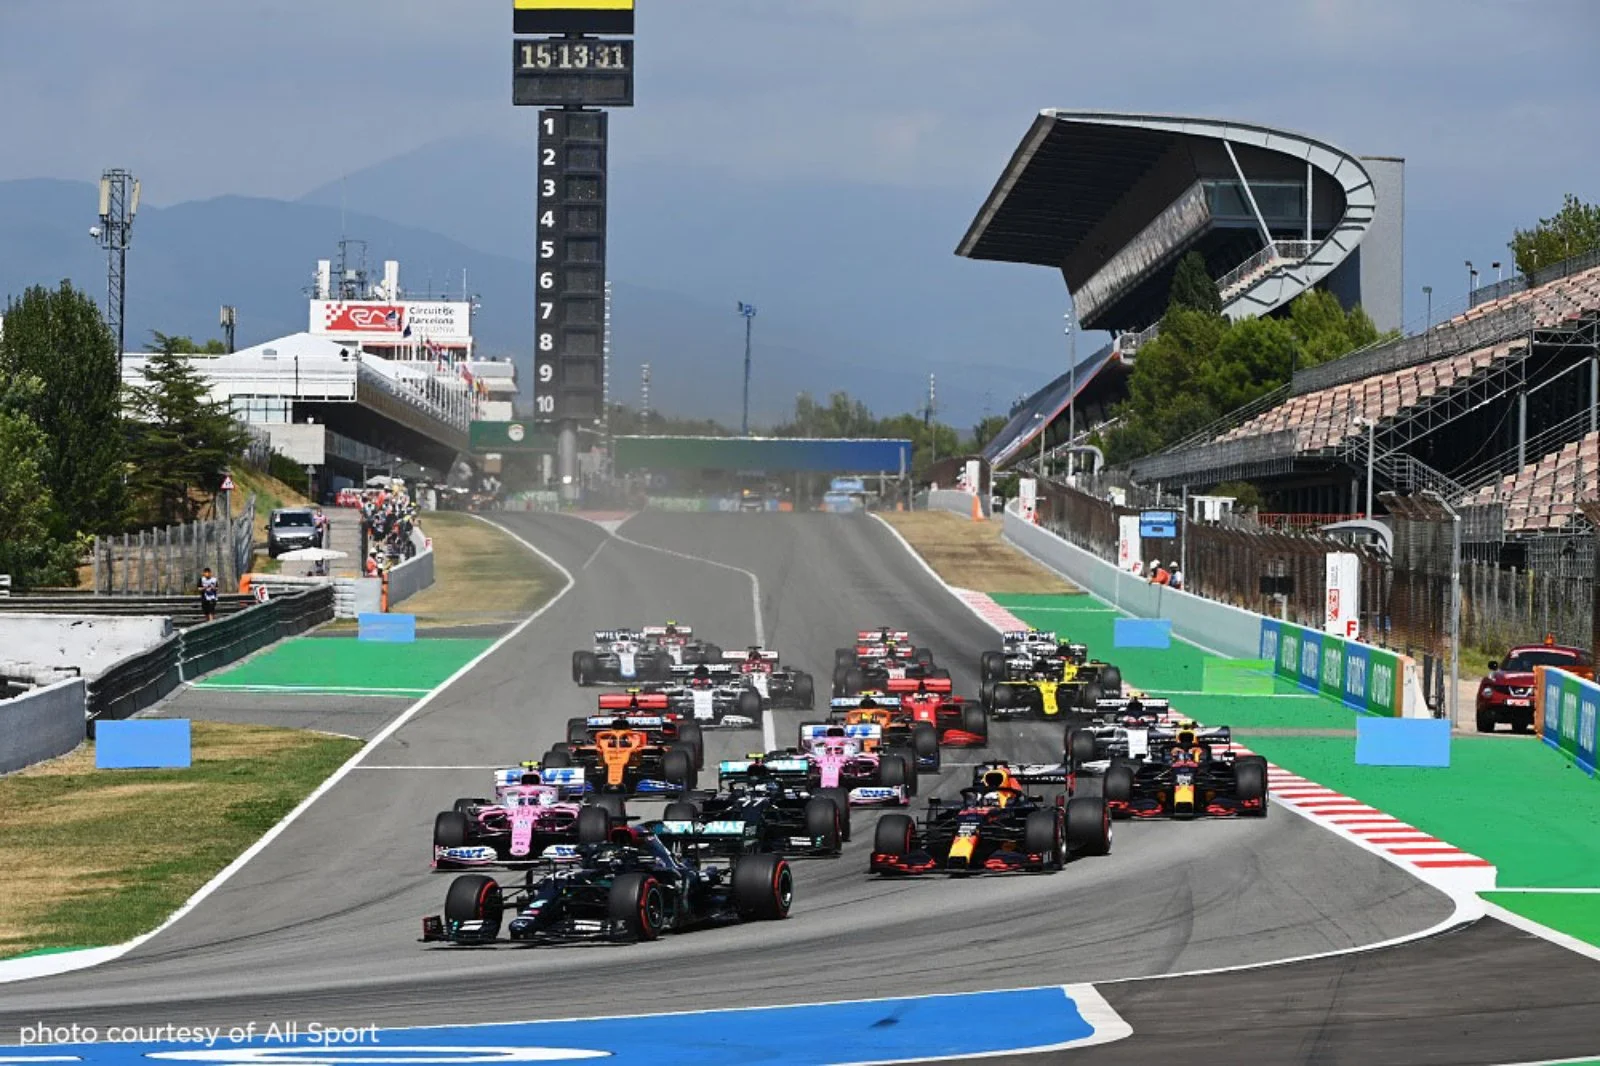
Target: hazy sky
x,y
1493,105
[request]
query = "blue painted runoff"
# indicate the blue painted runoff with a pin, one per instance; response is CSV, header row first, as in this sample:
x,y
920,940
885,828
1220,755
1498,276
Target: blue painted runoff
x,y
142,744
811,1035
1402,742
389,628
1141,633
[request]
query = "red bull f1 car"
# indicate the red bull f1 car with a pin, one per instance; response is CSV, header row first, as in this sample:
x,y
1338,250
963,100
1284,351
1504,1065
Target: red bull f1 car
x,y
995,827
1188,772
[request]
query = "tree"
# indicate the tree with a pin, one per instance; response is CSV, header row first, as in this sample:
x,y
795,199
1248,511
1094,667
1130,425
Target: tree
x,y
58,338
181,441
1574,230
182,345
1193,286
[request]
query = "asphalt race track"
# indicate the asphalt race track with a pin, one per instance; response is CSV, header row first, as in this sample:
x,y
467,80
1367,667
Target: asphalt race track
x,y
323,923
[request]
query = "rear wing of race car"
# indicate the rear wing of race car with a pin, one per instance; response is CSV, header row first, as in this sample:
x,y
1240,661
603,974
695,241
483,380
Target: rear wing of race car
x,y
1215,734
1027,773
739,769
899,686
851,703
685,632
719,835
741,656
568,779
1114,706
606,636
866,636
632,721
719,670
812,732
632,701
1017,635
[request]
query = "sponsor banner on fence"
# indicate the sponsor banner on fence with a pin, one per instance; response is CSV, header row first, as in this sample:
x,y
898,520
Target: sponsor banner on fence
x,y
1363,677
1566,712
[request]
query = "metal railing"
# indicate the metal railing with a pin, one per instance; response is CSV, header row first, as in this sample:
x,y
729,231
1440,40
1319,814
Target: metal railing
x,y
1499,290
1219,455
167,560
1447,339
1267,259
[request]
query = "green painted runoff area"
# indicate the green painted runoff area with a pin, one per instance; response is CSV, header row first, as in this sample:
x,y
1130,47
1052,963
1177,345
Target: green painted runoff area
x,y
1511,800
351,667
1575,913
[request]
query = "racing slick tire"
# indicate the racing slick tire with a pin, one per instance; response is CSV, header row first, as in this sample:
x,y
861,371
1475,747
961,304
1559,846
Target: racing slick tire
x,y
841,800
585,667
450,829
475,898
895,835
577,666
1250,781
925,742
805,690
1088,825
1041,834
822,825
661,668
681,811
923,656
577,730
1111,682
843,659
466,803
713,654
986,689
894,770
763,887
1118,784
854,681
1000,696
749,703
614,806
677,766
594,824
637,906
1089,695
556,759
1080,747
690,735
992,665
974,721
1486,720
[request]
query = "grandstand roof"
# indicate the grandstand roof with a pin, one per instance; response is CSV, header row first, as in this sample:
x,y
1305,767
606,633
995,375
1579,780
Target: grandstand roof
x,y
1114,200
1044,406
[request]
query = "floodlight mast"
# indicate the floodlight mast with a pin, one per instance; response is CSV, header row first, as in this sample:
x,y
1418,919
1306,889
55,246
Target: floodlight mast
x,y
119,203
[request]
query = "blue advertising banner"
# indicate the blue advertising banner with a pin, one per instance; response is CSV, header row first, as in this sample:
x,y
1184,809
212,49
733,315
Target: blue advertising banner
x,y
1269,640
1310,676
1357,668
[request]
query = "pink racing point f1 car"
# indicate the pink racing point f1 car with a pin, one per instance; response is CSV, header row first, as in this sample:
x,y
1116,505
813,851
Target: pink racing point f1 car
x,y
532,810
852,757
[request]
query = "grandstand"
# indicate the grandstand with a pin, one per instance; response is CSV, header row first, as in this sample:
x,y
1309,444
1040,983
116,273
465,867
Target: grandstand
x,y
1497,407
1114,201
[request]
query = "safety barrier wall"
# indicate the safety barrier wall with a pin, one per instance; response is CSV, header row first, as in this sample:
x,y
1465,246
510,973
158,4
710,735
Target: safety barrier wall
x,y
1368,679
41,724
410,577
1566,708
952,500
1215,626
89,644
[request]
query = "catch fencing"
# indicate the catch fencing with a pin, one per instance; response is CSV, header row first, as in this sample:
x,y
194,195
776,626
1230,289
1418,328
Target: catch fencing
x,y
167,560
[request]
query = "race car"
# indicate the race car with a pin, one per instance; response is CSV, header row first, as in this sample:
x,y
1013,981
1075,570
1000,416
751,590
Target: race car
x,y
621,657
681,645
854,759
1114,728
761,804
995,827
648,712
1028,653
958,724
713,695
532,809
632,888
622,760
1185,775
778,686
918,740
1050,687
873,663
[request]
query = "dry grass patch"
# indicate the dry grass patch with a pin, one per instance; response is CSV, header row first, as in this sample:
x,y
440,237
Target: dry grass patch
x,y
971,555
90,857
479,574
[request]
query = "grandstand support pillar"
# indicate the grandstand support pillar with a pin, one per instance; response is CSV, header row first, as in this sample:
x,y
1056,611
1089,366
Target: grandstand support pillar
x,y
567,461
1250,197
1522,429
1309,180
1594,394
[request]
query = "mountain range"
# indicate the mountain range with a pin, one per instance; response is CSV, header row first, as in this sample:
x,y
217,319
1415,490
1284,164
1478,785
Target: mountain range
x,y
856,285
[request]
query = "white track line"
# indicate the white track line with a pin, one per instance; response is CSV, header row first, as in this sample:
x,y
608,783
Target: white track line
x,y
41,965
769,736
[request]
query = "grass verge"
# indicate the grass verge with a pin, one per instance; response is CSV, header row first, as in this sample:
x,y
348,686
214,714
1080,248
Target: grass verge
x,y
91,857
971,555
480,575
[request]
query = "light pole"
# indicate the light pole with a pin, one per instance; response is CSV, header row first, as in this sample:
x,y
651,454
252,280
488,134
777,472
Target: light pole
x,y
749,313
1498,275
1472,279
1427,290
1072,388
1044,425
1371,427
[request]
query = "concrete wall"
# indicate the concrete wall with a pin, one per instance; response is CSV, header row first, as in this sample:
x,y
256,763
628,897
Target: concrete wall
x,y
41,724
1218,627
305,443
91,643
410,577
1383,250
952,500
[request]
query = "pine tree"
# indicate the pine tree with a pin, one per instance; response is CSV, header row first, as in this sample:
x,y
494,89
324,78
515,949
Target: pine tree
x,y
181,440
1193,287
